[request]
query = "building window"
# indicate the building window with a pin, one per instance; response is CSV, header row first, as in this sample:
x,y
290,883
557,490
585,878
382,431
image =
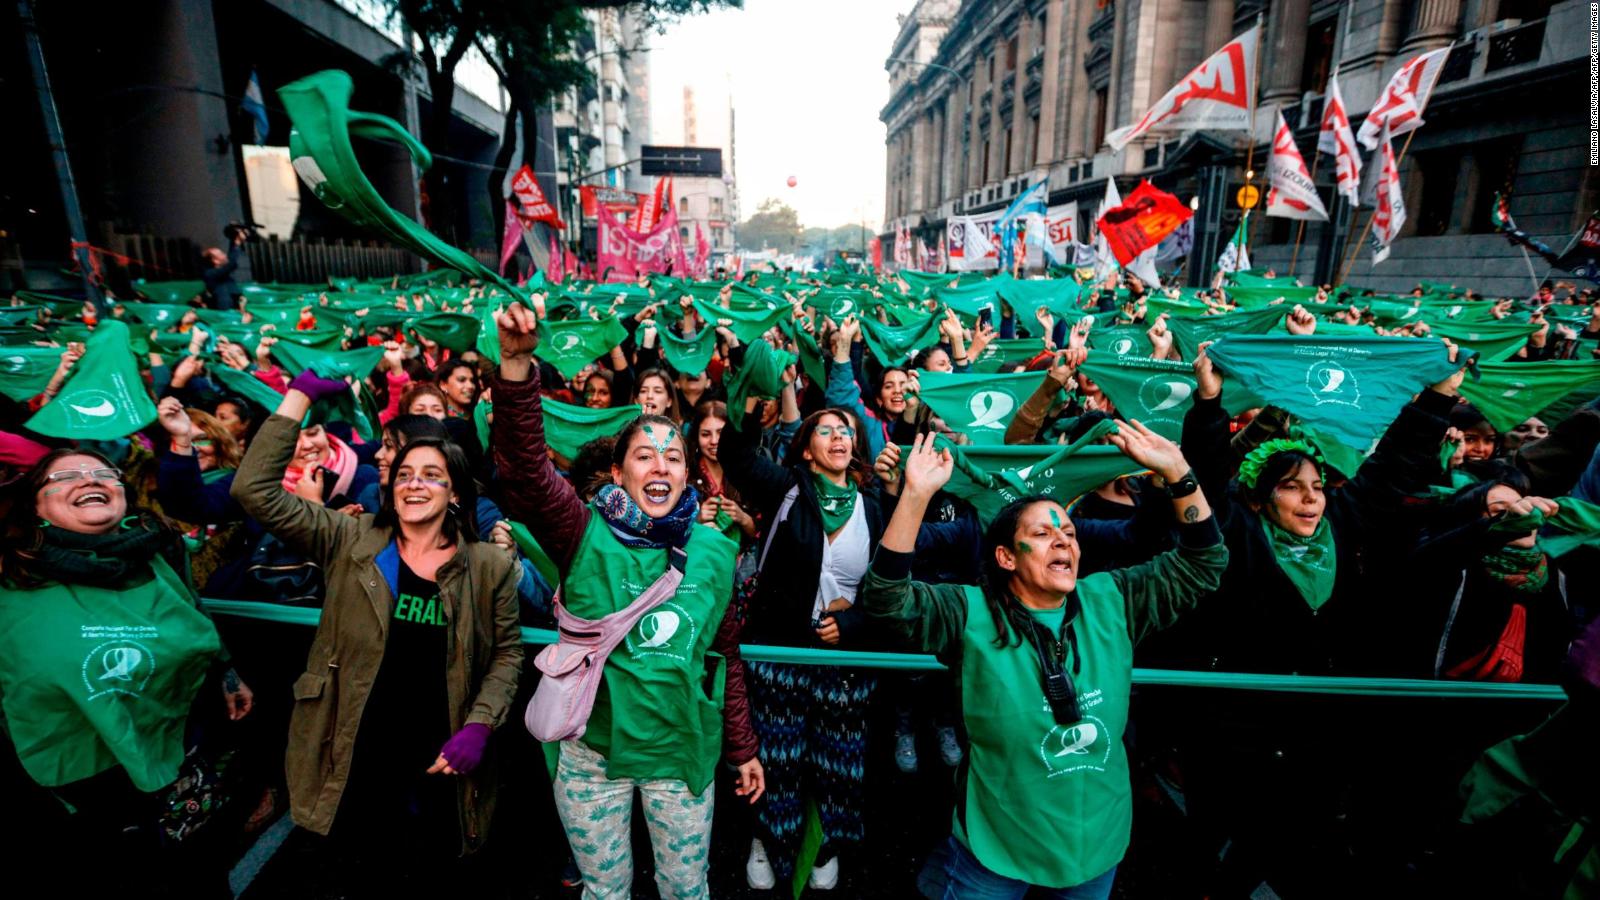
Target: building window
x,y
1011,54
985,178
1438,172
991,68
1493,168
1319,55
683,206
685,233
716,206
1033,141
1101,97
1003,164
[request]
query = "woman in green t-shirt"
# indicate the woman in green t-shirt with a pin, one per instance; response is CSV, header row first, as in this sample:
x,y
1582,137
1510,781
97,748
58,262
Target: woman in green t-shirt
x,y
1046,662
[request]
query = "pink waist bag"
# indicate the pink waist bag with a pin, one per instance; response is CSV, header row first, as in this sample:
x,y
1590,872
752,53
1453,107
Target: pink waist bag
x,y
572,667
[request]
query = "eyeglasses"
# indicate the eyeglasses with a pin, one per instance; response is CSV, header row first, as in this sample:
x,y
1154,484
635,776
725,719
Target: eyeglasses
x,y
425,481
840,430
66,475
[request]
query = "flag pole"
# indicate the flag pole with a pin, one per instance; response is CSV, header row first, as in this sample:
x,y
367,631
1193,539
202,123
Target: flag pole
x,y
1529,261
1350,260
1300,233
1250,149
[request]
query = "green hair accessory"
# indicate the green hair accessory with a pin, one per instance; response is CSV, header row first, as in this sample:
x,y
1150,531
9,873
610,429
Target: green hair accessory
x,y
1256,460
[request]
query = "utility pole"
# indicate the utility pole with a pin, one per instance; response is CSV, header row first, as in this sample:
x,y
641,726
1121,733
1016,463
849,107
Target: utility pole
x,y
58,154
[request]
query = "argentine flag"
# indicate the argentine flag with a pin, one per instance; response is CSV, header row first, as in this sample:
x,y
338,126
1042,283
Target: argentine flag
x,y
256,108
1030,203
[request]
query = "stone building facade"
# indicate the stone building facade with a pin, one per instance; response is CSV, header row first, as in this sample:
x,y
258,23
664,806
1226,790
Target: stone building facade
x,y
987,97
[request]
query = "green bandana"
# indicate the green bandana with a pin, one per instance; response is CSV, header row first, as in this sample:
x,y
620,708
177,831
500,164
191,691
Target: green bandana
x,y
688,355
979,406
1157,392
837,502
356,406
247,386
1508,393
574,343
104,398
893,345
747,324
760,375
323,124
1494,340
567,427
1525,570
25,371
1345,390
1122,340
810,354
1311,563
1003,355
453,331
488,343
1577,524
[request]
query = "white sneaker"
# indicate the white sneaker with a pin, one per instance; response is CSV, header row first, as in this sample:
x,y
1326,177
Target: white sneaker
x,y
905,751
949,747
757,870
826,876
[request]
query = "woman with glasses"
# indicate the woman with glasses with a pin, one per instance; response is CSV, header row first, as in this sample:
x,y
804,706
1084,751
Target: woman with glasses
x,y
819,534
1045,657
414,663
103,652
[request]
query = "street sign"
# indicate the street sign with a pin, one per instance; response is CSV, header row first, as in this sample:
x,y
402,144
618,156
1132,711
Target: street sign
x,y
1248,197
705,162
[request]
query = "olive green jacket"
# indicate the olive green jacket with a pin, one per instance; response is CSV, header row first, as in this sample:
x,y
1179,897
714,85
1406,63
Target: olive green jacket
x,y
477,587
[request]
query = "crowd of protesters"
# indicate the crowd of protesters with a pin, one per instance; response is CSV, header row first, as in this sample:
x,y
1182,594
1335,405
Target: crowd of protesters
x,y
434,465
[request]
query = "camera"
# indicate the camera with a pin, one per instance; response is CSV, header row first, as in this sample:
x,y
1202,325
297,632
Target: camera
x,y
233,230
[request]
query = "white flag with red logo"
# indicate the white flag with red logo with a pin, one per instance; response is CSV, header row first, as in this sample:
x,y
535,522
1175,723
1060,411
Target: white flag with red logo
x,y
1337,138
1215,96
1389,206
535,208
1293,194
1401,104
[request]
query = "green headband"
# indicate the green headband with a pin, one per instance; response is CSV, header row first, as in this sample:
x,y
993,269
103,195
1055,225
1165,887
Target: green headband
x,y
1256,460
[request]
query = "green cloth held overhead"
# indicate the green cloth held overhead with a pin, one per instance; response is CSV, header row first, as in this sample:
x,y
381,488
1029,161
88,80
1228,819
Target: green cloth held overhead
x,y
1026,296
453,331
322,340
105,397
1257,297
972,300
837,303
245,385
488,342
1494,341
747,324
1189,334
1346,390
25,370
571,344
1576,524
990,476
1122,340
354,407
979,406
1509,393
759,375
1005,354
893,345
320,145
689,355
811,362
156,315
169,291
568,427
1157,392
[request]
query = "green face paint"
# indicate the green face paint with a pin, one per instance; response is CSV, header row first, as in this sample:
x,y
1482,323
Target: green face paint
x,y
1055,520
660,445
1023,547
54,490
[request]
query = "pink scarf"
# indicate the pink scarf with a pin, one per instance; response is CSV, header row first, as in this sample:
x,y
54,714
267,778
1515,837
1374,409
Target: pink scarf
x,y
341,459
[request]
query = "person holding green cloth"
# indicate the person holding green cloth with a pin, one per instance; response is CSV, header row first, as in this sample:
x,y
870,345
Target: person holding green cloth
x,y
1299,597
105,659
673,691
1045,657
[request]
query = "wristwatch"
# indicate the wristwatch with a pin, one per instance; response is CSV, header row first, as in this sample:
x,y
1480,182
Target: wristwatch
x,y
1183,487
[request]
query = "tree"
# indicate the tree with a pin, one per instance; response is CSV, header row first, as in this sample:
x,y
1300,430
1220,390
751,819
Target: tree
x,y
775,225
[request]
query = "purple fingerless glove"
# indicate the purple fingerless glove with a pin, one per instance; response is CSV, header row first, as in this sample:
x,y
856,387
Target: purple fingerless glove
x,y
316,387
465,750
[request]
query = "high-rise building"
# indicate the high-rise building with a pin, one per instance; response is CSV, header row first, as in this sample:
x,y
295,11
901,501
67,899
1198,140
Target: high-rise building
x,y
987,97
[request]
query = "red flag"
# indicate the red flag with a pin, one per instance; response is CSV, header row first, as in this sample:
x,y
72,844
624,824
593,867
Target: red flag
x,y
535,208
702,251
511,236
875,251
1148,215
555,270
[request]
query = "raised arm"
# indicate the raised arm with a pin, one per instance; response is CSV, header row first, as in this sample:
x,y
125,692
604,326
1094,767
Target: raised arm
x,y
531,490
923,617
1025,426
309,527
760,481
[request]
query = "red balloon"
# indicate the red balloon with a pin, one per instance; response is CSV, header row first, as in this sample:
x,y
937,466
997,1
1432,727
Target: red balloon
x,y
793,181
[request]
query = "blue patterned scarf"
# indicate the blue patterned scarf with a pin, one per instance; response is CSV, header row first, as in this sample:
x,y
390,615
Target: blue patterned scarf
x,y
635,528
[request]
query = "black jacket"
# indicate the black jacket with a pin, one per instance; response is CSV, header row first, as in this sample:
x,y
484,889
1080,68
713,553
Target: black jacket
x,y
780,611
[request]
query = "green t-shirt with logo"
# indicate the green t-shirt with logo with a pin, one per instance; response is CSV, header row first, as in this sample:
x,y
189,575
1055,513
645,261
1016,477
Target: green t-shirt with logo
x,y
92,678
658,713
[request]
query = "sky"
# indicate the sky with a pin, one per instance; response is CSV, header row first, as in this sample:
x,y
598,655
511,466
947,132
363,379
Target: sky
x,y
808,82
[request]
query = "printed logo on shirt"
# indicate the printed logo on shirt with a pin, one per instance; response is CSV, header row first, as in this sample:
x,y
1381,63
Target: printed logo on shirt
x,y
119,666
1330,382
1083,745
668,630
420,610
